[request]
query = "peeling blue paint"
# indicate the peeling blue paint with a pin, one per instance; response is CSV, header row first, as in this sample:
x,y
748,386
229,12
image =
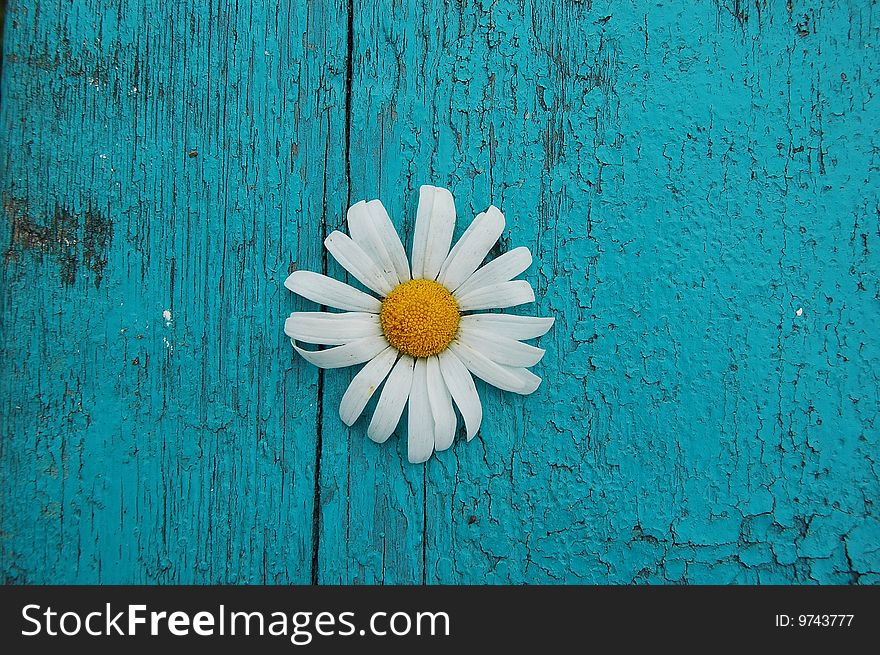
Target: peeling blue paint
x,y
698,184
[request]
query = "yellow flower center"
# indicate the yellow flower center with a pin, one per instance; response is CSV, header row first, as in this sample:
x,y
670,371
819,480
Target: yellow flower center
x,y
419,318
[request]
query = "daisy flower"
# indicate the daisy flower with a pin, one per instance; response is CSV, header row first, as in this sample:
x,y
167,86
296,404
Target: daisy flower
x,y
421,335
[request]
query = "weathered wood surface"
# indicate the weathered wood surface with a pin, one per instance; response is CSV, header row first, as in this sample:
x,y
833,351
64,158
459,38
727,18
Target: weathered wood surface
x,y
698,183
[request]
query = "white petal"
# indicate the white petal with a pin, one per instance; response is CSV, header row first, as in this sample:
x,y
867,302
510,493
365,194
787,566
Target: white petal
x,y
500,350
354,260
388,236
508,325
435,222
420,427
363,232
517,380
356,352
331,329
365,384
461,385
496,296
392,401
529,382
441,406
501,269
333,293
472,248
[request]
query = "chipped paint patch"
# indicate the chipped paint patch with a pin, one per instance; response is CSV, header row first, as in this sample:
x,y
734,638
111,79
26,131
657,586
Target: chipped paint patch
x,y
68,238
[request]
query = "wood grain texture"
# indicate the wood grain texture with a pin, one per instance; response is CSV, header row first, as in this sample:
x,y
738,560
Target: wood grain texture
x,y
698,184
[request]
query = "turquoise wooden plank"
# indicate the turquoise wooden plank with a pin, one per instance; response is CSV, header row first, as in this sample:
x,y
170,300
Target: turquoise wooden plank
x,y
162,159
698,185
670,170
